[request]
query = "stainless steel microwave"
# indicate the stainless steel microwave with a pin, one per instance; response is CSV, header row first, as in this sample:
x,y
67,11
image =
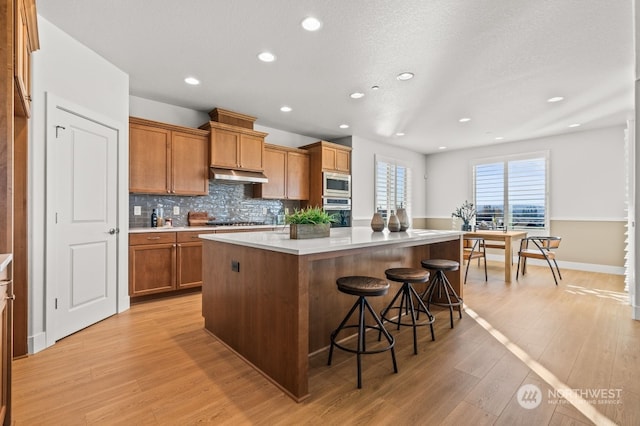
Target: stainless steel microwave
x,y
336,185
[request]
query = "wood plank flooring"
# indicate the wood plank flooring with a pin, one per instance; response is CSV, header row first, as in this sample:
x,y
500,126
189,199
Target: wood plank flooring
x,y
155,364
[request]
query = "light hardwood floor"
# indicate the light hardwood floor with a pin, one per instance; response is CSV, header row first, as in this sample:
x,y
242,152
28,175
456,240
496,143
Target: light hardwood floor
x,y
155,364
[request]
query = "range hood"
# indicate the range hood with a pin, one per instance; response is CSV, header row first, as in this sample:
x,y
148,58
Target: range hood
x,y
239,176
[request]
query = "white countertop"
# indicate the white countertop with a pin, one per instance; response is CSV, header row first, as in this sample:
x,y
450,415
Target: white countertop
x,y
340,239
201,228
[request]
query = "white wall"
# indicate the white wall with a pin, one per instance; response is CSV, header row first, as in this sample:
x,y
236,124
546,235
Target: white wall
x,y
363,166
71,71
587,174
167,113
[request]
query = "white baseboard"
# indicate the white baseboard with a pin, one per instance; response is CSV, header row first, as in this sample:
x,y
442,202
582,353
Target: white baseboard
x,y
635,312
587,267
36,343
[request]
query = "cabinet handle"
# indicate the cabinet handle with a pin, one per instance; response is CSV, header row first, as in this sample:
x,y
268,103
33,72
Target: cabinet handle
x,y
153,238
195,237
12,297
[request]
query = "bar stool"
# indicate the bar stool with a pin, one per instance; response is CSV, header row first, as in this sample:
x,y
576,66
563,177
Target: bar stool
x,y
363,287
407,293
441,284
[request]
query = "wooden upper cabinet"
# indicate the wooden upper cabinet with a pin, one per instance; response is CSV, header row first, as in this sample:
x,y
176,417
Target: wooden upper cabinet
x,y
25,42
297,176
167,159
275,168
288,172
336,159
190,163
235,147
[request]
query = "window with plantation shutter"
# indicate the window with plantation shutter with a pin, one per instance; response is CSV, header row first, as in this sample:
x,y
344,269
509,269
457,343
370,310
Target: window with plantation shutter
x,y
512,191
392,186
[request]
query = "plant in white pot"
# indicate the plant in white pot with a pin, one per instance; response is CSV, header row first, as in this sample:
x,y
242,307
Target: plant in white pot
x,y
312,222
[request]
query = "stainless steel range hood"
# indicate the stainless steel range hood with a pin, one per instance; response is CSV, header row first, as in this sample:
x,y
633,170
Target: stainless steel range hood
x,y
238,176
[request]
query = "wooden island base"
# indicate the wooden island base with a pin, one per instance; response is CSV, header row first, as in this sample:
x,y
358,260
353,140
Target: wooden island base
x,y
278,308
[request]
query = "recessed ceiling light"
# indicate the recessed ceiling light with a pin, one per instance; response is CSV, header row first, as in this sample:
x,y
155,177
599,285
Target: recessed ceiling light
x,y
574,125
404,76
400,134
442,147
311,24
375,87
555,99
464,119
344,126
266,56
192,81
499,138
356,95
285,108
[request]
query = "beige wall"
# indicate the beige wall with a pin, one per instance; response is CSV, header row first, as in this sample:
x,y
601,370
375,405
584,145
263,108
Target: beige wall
x,y
593,242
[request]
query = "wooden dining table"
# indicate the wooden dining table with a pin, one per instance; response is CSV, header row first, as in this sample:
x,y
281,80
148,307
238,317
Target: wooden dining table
x,y
507,237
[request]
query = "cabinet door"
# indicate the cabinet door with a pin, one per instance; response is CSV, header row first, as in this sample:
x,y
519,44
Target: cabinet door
x,y
275,165
343,161
6,316
189,265
22,102
149,159
328,158
251,152
190,164
152,269
225,148
297,176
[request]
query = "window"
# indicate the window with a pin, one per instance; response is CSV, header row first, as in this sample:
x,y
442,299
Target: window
x,y
392,186
512,191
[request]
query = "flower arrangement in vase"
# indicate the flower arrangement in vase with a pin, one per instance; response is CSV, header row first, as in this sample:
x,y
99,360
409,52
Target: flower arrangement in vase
x,y
466,212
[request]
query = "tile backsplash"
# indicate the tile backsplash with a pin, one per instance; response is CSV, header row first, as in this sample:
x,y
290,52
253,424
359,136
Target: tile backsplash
x,y
226,201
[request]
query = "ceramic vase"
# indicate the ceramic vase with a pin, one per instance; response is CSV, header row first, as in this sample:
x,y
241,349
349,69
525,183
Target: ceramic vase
x,y
377,222
394,223
403,218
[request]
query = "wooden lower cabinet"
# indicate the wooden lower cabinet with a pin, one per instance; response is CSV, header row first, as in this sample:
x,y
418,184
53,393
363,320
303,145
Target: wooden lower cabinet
x,y
152,263
163,262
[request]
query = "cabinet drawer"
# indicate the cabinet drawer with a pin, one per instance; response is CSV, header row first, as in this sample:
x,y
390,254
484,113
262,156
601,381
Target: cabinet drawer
x,y
152,238
191,236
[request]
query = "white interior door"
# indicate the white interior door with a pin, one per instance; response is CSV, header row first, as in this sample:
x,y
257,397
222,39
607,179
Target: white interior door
x,y
82,200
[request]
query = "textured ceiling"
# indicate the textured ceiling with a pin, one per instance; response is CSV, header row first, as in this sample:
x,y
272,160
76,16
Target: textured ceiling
x,y
495,61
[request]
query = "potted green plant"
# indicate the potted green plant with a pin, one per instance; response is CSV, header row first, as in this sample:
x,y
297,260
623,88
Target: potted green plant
x,y
312,222
466,212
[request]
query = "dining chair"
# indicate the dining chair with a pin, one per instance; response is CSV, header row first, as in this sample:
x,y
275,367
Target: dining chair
x,y
542,249
474,248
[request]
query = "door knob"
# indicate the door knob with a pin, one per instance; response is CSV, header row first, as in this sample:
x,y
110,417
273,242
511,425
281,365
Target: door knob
x,y
112,231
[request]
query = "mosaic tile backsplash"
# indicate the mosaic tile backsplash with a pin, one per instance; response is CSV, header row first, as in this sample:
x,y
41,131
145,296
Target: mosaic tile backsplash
x,y
226,201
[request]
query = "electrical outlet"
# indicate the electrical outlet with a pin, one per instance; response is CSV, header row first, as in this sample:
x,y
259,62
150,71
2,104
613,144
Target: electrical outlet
x,y
264,210
137,210
176,210
286,210
235,266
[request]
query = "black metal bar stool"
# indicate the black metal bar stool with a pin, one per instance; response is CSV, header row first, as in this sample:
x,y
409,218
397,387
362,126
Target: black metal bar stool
x,y
407,294
441,284
363,287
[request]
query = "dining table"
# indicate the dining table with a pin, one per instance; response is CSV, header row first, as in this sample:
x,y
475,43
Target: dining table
x,y
500,235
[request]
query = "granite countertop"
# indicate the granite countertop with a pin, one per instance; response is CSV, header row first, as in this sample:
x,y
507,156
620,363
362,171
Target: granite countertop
x,y
202,228
340,239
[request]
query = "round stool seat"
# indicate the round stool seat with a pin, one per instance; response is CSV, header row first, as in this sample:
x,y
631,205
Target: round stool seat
x,y
407,275
440,264
363,286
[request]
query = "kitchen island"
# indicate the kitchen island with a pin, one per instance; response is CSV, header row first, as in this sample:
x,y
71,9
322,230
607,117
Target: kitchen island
x,y
274,300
